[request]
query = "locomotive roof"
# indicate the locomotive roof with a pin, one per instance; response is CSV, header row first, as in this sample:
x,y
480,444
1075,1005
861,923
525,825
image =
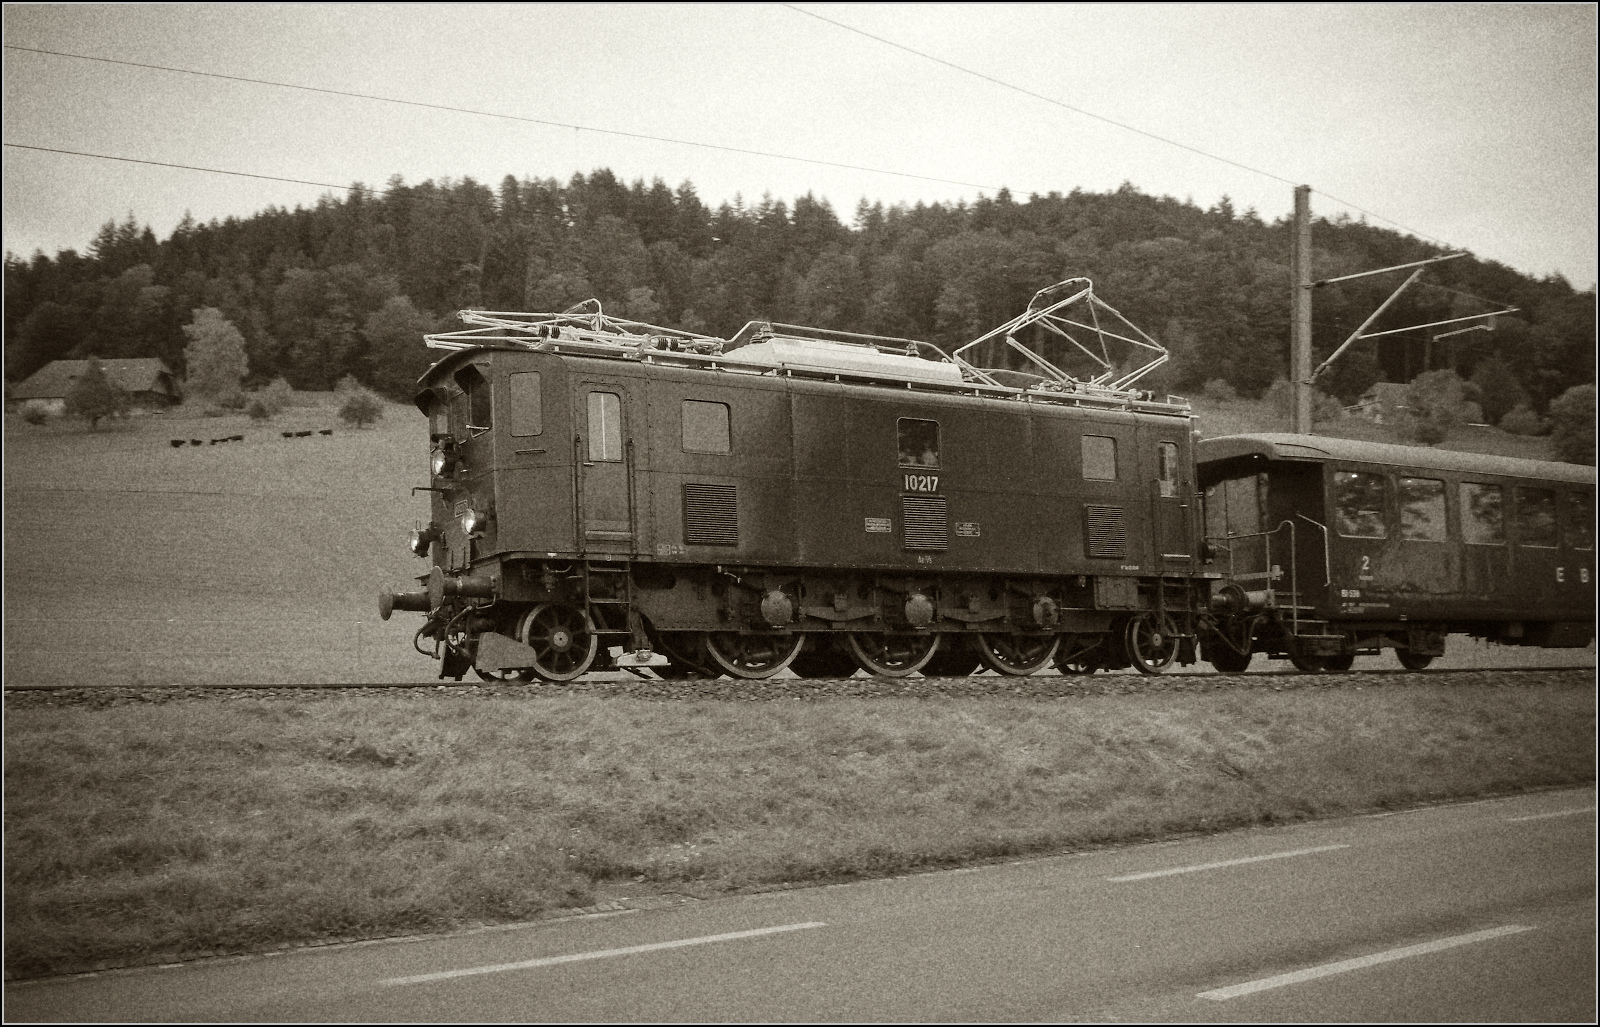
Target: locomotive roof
x,y
1322,449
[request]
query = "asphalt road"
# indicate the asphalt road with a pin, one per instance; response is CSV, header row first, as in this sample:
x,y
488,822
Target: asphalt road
x,y
1474,912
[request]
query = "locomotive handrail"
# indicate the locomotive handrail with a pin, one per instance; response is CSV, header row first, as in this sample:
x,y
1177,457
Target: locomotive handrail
x,y
1294,575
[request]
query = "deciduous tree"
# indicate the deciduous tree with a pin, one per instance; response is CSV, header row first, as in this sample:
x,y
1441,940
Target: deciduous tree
x,y
215,355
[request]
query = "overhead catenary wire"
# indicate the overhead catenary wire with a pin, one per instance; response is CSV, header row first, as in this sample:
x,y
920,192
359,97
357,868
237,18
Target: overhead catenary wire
x,y
1098,117
500,115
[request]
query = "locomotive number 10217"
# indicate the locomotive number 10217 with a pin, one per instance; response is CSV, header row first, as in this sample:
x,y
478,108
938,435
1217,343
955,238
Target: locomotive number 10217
x,y
921,482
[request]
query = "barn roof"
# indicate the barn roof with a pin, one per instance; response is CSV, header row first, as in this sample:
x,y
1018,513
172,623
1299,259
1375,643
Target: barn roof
x,y
1322,449
133,374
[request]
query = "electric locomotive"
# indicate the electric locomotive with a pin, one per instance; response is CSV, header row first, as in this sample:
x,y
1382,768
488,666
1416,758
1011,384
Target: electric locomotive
x,y
606,493
1332,548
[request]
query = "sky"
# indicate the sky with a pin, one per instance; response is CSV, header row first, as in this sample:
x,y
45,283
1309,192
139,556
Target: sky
x,y
1473,126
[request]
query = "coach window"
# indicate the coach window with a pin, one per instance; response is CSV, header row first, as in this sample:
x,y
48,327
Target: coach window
x,y
605,426
1422,510
1358,501
527,404
705,428
1536,517
1580,520
476,388
919,442
1482,522
1099,458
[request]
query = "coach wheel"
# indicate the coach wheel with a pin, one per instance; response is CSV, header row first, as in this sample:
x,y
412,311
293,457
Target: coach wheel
x,y
752,656
1309,664
822,659
1225,658
1018,655
1151,640
1339,664
1412,661
955,658
1077,658
563,641
890,656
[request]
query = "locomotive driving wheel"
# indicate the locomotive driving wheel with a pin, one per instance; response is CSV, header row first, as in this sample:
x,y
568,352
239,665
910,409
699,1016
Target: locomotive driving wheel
x,y
752,656
1152,642
1078,656
1018,655
892,656
563,641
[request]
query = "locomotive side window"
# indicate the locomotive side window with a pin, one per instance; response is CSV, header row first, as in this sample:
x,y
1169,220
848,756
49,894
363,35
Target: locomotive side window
x,y
1580,520
1167,468
1358,501
527,404
705,428
1481,520
1422,510
1536,517
1099,458
919,442
476,389
605,426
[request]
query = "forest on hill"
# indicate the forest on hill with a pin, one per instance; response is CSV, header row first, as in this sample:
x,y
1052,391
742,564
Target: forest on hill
x,y
348,286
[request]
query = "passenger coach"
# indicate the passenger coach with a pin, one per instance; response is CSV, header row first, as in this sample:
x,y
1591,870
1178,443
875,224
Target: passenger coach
x,y
1336,548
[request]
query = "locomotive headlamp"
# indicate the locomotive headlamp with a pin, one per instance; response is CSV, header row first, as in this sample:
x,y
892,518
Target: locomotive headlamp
x,y
439,462
473,520
443,458
422,539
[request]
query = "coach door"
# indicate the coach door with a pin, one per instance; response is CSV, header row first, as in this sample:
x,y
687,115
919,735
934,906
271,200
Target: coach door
x,y
604,458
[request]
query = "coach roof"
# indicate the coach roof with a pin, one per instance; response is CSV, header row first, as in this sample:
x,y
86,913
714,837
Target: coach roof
x,y
1322,449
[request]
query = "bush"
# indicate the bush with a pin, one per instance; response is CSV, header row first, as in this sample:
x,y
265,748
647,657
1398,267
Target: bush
x,y
271,401
1572,416
347,386
1436,402
361,408
1219,390
1280,396
1521,420
35,414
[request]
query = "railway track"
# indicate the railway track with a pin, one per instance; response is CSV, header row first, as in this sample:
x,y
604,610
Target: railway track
x,y
624,686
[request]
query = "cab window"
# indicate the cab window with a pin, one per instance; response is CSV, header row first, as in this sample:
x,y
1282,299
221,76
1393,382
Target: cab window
x,y
1536,517
527,404
1422,514
1099,458
1233,507
1358,504
1167,468
919,442
706,428
475,390
1482,523
605,426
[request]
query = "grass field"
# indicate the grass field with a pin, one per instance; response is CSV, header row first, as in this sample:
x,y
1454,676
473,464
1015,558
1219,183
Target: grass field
x,y
131,562
201,826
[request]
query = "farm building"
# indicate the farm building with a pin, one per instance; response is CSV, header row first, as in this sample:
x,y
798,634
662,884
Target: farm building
x,y
1382,403
148,382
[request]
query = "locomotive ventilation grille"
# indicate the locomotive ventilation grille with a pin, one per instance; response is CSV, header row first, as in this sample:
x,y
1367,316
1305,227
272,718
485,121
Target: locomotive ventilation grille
x,y
710,514
1105,533
926,521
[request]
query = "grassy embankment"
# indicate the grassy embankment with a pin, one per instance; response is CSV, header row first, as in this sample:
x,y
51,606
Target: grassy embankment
x,y
202,826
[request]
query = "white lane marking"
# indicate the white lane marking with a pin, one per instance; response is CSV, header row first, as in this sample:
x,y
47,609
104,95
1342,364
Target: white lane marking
x,y
575,957
1557,813
1312,973
1224,863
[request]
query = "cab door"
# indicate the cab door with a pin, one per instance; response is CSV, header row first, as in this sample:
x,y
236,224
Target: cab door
x,y
1174,501
604,451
